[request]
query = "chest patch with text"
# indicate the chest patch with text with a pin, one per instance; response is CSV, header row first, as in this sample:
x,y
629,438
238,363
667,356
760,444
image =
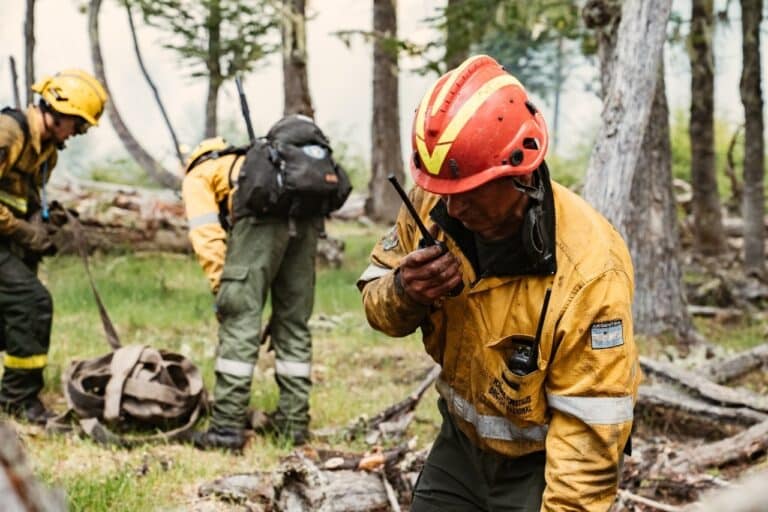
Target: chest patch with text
x,y
607,334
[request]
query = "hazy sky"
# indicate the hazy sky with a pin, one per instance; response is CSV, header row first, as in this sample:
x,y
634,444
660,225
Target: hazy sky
x,y
340,77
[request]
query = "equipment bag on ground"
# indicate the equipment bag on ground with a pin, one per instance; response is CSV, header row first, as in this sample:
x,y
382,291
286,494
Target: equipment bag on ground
x,y
133,395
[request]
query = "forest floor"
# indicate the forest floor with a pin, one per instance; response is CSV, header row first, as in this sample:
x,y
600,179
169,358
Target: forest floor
x,y
163,300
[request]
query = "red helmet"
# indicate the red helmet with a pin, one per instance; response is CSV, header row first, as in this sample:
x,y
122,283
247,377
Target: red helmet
x,y
474,125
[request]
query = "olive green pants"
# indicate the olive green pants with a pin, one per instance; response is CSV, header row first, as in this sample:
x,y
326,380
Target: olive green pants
x,y
263,258
459,477
26,311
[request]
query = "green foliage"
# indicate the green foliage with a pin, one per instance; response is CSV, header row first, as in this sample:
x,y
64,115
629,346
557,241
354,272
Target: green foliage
x,y
123,171
681,150
215,38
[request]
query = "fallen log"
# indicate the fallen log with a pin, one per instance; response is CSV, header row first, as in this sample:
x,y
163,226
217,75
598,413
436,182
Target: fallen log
x,y
746,495
20,491
724,370
738,448
674,411
698,385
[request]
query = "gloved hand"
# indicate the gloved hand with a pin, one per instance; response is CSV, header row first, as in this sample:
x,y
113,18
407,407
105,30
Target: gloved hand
x,y
34,236
57,214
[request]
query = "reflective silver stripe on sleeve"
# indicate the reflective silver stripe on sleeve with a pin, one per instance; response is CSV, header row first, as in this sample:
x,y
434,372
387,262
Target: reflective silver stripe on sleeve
x,y
236,368
373,272
202,220
594,410
490,427
292,368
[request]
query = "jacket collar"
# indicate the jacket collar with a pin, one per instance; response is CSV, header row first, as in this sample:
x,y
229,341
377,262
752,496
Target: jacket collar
x,y
527,263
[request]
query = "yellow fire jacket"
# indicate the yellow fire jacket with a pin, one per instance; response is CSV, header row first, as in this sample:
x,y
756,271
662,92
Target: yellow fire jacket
x,y
21,168
577,404
207,193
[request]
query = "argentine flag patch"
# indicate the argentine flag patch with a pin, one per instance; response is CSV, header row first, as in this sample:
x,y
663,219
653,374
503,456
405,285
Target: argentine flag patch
x,y
607,334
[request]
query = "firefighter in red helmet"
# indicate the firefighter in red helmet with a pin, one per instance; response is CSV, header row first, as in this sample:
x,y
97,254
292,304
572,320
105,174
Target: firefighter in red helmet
x,y
539,366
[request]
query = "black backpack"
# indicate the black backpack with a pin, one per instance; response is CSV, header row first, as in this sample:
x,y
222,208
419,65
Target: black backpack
x,y
290,173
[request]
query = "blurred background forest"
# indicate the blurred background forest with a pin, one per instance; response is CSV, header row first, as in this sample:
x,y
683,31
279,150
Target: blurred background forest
x,y
656,113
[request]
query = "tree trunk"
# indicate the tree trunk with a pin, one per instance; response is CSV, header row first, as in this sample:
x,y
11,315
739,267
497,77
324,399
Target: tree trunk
x,y
456,40
753,206
386,155
707,217
295,81
652,234
152,86
627,108
153,169
213,24
29,50
645,214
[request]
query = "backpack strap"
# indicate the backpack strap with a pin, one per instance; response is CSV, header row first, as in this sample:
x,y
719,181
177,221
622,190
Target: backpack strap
x,y
21,119
231,150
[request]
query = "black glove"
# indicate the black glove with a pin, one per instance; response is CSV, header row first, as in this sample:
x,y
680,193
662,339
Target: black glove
x,y
34,236
57,214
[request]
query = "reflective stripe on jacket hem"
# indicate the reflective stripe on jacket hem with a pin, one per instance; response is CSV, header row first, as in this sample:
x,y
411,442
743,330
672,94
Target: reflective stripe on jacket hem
x,y
594,410
25,363
373,272
235,368
293,368
490,427
17,203
203,220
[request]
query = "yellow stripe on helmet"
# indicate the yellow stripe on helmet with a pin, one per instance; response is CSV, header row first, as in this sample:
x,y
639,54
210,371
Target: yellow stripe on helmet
x,y
434,161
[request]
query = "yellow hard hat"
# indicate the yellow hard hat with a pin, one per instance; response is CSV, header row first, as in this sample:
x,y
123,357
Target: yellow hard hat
x,y
73,92
205,147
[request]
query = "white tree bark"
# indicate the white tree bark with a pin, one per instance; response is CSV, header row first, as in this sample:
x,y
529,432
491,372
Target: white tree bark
x,y
627,107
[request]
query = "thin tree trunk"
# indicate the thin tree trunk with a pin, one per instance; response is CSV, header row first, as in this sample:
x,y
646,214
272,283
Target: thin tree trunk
x,y
29,50
754,153
214,68
295,81
153,169
707,217
652,234
627,108
386,154
152,86
14,82
559,79
456,39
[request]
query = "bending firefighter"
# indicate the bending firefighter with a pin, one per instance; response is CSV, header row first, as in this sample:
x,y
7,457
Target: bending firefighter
x,y
70,103
263,253
539,366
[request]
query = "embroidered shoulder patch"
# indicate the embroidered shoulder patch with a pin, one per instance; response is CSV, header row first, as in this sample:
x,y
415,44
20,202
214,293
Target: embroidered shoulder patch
x,y
607,334
390,240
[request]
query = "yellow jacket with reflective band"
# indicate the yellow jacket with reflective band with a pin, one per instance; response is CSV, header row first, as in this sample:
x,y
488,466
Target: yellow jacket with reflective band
x,y
207,186
20,168
578,404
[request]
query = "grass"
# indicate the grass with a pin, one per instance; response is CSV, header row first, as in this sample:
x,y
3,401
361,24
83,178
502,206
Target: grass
x,y
163,300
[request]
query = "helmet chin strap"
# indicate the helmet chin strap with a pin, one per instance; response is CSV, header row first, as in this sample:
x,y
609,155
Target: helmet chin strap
x,y
533,231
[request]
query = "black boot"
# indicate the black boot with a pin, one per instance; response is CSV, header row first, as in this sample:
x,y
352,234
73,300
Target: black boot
x,y
31,410
231,439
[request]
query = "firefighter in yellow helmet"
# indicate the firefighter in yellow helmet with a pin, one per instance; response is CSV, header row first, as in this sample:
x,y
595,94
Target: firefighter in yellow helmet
x,y
70,102
539,366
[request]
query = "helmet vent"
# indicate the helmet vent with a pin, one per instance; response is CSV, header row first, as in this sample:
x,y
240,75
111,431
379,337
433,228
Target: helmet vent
x,y
416,160
516,158
530,143
531,108
454,166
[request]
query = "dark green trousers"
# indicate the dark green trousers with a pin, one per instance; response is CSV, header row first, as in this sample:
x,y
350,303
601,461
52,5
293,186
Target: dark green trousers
x,y
459,477
26,311
262,257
